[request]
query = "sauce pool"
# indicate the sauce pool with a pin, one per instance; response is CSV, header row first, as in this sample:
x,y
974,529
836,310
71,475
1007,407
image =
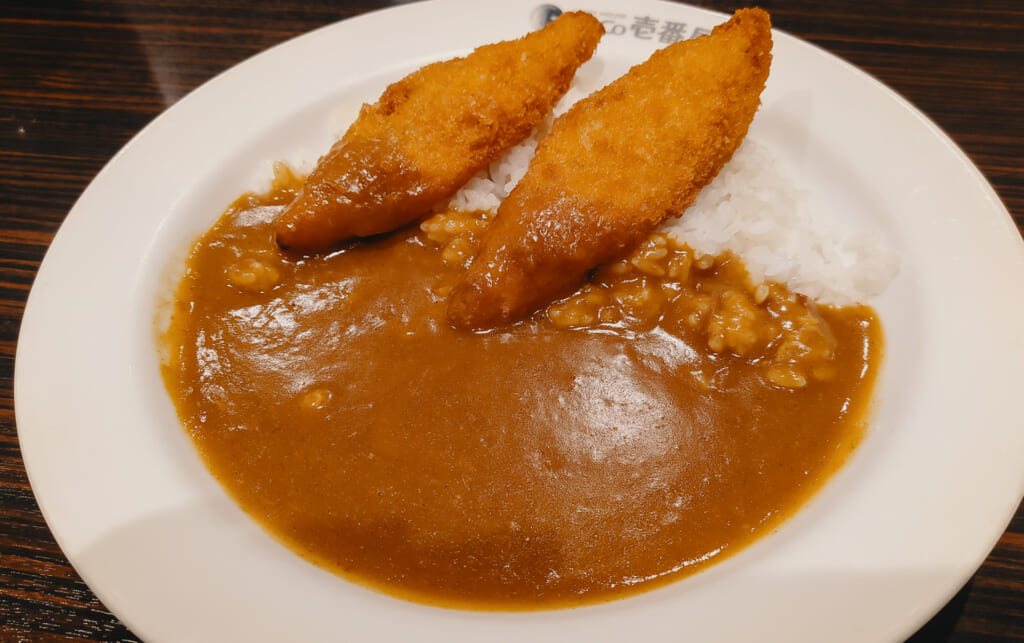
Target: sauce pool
x,y
629,435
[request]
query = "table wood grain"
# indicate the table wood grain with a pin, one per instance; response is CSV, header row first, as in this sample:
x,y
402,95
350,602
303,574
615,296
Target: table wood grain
x,y
79,78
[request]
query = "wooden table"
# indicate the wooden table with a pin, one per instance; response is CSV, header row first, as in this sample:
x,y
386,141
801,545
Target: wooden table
x,y
78,79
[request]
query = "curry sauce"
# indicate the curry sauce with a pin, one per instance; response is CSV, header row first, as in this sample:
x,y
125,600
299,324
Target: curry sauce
x,y
662,417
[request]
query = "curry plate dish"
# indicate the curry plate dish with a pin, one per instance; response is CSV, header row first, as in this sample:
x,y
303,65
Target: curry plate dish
x,y
659,417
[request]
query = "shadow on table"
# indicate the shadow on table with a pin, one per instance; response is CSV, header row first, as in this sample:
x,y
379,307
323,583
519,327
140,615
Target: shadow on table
x,y
941,627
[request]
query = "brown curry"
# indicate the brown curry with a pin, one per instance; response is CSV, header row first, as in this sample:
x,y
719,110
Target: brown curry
x,y
663,417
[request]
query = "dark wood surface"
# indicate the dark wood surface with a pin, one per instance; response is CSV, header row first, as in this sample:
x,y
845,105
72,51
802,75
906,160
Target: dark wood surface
x,y
78,79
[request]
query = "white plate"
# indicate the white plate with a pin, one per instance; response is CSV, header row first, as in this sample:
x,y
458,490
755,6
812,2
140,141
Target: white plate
x,y
888,541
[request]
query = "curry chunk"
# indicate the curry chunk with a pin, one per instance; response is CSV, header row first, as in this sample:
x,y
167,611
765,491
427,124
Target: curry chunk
x,y
431,131
614,167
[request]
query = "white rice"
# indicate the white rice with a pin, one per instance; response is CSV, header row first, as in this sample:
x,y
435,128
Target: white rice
x,y
489,187
753,209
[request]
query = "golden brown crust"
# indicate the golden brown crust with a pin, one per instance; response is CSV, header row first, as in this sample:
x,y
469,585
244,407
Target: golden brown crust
x,y
432,130
615,166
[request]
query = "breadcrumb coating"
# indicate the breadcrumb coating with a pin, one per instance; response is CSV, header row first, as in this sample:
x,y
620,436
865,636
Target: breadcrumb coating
x,y
431,131
614,167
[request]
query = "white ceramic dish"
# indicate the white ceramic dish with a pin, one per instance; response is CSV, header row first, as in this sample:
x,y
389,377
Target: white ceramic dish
x,y
888,541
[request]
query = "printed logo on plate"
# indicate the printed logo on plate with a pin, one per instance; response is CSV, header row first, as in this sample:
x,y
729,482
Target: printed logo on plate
x,y
620,24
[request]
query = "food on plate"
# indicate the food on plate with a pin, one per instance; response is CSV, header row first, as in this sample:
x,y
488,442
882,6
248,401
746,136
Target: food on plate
x,y
432,130
615,166
662,417
666,413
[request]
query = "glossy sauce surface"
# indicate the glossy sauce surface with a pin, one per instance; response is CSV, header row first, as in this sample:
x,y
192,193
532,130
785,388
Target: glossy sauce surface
x,y
546,464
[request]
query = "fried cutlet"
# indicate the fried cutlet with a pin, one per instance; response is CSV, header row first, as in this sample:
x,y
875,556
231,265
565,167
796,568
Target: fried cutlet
x,y
614,167
431,131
